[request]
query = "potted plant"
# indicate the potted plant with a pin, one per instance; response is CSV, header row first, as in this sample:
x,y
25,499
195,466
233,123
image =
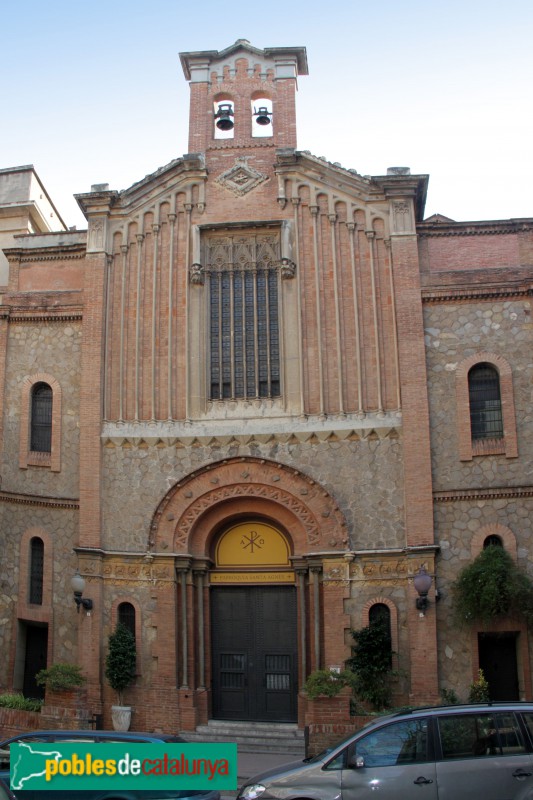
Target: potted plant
x,y
120,671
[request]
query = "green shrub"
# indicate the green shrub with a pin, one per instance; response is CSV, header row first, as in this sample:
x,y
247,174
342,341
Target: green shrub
x,y
479,690
121,660
19,702
61,677
491,587
449,696
327,683
371,665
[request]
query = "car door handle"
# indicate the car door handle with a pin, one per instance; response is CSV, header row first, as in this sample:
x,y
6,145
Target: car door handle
x,y
419,781
520,773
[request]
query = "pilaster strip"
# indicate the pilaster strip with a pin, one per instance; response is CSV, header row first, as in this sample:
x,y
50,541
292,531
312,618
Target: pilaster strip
x,y
371,243
352,228
333,220
140,238
172,220
314,212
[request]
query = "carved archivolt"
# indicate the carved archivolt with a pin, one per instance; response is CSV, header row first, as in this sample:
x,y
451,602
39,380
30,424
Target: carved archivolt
x,y
196,508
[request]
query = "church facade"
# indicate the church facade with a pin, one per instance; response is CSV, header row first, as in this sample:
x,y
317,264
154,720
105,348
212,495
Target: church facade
x,y
249,404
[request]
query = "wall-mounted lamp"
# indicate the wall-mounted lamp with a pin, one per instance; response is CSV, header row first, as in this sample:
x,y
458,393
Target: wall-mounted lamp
x,y
78,586
422,582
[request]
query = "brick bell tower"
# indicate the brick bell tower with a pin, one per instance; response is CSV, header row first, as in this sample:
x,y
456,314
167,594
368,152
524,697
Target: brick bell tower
x,y
242,97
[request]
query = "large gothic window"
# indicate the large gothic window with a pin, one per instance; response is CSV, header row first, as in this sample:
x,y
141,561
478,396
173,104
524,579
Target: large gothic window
x,y
243,271
41,418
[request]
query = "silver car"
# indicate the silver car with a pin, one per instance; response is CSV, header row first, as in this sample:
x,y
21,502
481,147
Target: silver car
x,y
463,752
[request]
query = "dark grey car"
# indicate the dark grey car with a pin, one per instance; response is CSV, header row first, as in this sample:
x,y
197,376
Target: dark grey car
x,y
97,736
470,752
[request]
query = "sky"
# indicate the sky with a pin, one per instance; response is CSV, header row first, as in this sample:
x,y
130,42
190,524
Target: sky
x,y
95,93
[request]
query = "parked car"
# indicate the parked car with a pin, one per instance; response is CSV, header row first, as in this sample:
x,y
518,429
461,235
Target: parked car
x,y
463,752
96,736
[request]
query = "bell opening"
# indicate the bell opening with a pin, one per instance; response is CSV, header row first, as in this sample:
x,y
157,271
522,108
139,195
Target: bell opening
x,y
224,117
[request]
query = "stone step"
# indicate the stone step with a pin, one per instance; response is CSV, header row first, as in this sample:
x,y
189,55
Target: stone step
x,y
252,737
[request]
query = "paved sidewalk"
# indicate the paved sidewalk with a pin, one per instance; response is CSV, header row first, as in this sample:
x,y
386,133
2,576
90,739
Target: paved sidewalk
x,y
249,764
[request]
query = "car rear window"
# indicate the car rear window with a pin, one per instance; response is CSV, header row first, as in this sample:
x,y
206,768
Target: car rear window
x,y
475,735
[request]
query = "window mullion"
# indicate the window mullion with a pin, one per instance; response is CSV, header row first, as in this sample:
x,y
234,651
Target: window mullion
x,y
220,341
267,331
256,332
244,339
232,329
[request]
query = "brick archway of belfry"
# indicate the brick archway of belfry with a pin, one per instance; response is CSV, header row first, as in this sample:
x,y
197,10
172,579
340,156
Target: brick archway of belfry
x,y
196,506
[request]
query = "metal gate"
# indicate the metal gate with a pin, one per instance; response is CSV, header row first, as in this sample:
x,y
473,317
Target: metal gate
x,y
254,646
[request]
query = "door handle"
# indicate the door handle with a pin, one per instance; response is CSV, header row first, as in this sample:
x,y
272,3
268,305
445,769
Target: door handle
x,y
421,780
520,773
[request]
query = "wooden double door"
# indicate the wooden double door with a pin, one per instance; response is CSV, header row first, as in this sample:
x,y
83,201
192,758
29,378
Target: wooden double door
x,y
254,647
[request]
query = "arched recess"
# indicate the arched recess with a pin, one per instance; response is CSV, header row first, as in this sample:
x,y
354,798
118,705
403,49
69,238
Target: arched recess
x,y
193,518
506,535
502,650
395,640
508,445
118,601
26,456
193,510
42,611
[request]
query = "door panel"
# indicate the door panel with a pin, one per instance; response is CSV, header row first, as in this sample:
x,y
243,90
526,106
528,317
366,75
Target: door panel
x,y
34,659
254,652
497,659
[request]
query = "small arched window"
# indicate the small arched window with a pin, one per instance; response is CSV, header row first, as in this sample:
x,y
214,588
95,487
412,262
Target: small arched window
x,y
379,614
36,570
486,418
492,541
41,418
126,616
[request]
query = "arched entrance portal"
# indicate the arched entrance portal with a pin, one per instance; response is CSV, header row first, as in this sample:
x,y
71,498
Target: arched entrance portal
x,y
254,625
258,551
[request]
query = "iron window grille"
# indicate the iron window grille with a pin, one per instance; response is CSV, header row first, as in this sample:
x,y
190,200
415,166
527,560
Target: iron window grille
x,y
486,418
41,418
126,616
243,273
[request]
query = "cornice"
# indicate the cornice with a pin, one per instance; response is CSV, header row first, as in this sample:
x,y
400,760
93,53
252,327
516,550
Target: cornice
x,y
230,145
45,318
17,498
16,314
488,493
59,253
427,230
221,433
474,293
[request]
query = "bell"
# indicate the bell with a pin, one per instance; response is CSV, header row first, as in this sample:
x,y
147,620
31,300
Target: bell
x,y
262,116
224,121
